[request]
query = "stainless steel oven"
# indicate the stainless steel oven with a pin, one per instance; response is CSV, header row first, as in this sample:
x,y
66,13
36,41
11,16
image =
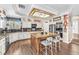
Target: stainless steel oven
x,y
33,27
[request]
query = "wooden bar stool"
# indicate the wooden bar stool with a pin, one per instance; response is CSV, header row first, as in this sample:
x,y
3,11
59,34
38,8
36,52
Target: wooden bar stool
x,y
47,46
56,43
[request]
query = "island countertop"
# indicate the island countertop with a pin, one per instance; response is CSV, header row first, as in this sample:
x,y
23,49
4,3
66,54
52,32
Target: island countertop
x,y
39,35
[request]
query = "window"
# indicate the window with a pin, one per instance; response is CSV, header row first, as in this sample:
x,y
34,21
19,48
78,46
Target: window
x,y
75,26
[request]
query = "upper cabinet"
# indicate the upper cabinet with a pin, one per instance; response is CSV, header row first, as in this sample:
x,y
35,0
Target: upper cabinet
x,y
2,18
13,23
2,23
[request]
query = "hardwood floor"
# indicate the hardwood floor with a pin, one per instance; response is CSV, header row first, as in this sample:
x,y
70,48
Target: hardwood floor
x,y
24,48
20,48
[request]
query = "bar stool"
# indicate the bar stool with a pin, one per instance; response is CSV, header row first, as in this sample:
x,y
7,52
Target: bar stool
x,y
56,43
47,44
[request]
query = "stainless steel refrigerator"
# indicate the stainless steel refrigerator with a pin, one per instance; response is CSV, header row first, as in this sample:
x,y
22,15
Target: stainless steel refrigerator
x,y
52,28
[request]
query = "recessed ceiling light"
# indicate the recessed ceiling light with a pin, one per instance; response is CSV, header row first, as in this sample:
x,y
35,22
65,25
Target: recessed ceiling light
x,y
40,13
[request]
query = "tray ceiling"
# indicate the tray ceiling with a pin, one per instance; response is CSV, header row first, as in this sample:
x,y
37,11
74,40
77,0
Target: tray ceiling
x,y
58,8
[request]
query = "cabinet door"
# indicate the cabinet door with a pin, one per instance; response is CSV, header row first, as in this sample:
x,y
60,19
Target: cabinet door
x,y
27,35
10,38
2,23
15,36
20,36
2,46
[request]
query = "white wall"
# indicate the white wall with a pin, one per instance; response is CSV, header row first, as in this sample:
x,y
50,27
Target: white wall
x,y
27,24
75,27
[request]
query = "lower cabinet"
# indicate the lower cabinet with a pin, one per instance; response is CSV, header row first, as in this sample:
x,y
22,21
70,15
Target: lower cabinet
x,y
26,35
13,37
2,46
19,36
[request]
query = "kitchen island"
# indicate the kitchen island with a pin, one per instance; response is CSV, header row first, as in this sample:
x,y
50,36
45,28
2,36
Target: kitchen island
x,y
37,38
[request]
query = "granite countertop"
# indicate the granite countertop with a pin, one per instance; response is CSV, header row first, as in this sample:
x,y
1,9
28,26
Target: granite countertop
x,y
24,31
2,35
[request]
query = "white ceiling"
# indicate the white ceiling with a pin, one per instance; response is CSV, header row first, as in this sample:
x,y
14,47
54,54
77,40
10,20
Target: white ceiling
x,y
58,8
9,10
75,9
61,8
